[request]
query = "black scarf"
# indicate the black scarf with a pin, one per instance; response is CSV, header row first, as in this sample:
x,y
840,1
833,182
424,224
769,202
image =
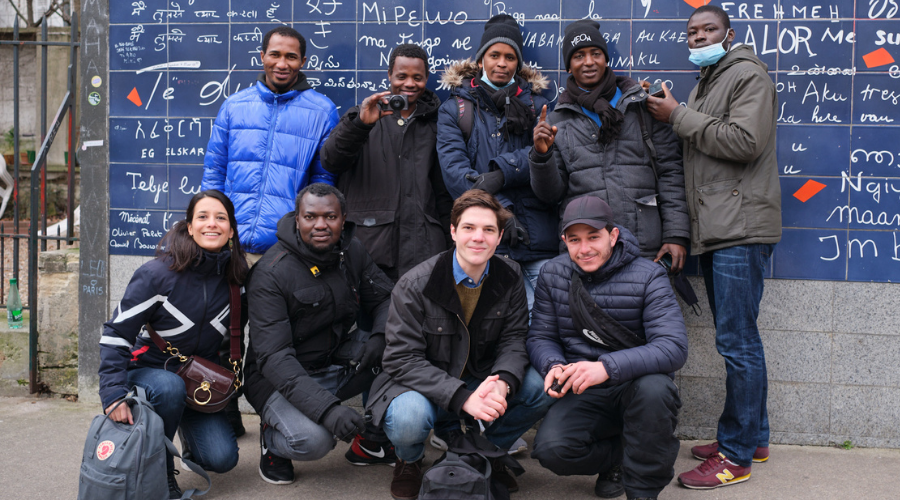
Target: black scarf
x,y
597,100
519,116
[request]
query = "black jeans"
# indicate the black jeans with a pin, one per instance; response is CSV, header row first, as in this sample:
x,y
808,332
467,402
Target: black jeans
x,y
586,434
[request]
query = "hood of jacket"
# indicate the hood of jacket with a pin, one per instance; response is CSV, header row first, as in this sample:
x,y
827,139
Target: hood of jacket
x,y
290,238
625,251
458,74
427,105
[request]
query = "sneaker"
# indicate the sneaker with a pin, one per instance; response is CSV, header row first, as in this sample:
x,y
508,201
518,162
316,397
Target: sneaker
x,y
440,442
502,475
272,468
714,472
708,450
518,447
174,490
609,484
407,480
368,452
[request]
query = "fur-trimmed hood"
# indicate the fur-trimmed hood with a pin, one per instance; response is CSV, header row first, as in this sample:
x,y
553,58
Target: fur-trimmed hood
x,y
456,74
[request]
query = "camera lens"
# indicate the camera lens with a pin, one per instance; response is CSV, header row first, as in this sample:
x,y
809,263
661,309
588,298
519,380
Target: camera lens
x,y
396,102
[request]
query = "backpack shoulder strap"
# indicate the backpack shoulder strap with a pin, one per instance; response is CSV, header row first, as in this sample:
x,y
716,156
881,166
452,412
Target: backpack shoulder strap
x,y
465,117
648,142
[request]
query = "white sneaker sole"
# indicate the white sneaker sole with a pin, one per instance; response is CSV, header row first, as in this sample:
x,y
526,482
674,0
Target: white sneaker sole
x,y
272,481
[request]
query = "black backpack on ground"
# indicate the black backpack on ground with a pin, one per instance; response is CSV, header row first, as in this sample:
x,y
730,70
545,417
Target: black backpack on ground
x,y
464,472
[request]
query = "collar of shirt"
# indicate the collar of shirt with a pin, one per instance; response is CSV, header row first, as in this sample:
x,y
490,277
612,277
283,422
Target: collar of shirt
x,y
460,276
594,116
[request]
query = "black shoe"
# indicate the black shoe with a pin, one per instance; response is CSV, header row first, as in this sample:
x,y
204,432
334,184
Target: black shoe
x,y
502,475
609,484
174,490
272,468
367,452
233,414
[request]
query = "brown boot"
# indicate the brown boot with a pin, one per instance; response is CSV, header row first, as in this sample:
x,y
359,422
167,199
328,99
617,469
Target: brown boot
x,y
407,480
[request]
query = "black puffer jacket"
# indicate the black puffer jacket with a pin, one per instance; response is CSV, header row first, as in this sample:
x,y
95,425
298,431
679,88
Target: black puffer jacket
x,y
298,320
487,150
392,180
634,291
620,172
429,346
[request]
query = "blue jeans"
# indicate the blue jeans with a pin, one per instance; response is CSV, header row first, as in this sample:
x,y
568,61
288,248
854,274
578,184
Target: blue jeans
x,y
531,270
209,436
411,416
734,285
291,434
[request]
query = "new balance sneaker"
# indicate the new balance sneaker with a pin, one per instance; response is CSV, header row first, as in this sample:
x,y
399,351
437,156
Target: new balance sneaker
x,y
368,452
715,471
609,484
708,450
272,468
407,480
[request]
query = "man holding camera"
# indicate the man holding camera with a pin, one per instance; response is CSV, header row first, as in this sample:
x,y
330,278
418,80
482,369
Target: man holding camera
x,y
607,335
600,140
384,151
485,134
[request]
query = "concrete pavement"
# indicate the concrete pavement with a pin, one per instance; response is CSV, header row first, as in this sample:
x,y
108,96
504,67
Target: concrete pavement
x,y
41,442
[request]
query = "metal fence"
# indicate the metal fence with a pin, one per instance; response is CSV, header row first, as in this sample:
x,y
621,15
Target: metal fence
x,y
36,235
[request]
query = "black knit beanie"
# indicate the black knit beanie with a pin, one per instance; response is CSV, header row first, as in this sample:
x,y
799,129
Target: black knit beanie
x,y
581,34
501,28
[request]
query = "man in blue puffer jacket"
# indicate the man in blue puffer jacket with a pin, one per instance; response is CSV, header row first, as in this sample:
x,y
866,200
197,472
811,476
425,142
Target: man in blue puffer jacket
x,y
265,142
607,329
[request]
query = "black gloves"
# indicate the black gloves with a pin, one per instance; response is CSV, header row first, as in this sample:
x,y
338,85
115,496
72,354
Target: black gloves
x,y
492,182
343,422
514,233
371,355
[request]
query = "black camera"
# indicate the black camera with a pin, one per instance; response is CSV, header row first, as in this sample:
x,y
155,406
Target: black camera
x,y
556,386
656,90
666,262
395,102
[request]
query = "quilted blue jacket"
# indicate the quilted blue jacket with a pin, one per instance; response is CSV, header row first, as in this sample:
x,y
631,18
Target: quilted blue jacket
x,y
263,150
634,291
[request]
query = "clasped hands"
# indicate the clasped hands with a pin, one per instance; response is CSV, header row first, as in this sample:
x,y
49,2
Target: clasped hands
x,y
488,402
575,376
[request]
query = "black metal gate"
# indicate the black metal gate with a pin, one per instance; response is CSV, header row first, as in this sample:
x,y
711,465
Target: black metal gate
x,y
37,236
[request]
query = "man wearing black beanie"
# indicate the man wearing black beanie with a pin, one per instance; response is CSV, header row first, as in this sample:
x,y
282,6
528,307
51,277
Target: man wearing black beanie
x,y
484,136
610,147
606,152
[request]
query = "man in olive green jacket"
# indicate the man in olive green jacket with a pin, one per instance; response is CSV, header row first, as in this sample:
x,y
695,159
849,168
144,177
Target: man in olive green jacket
x,y
734,199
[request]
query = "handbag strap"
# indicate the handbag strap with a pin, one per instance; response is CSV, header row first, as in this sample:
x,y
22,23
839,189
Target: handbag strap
x,y
235,327
234,331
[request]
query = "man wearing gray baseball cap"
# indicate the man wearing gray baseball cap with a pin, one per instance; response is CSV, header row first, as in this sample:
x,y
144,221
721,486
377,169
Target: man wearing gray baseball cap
x,y
607,335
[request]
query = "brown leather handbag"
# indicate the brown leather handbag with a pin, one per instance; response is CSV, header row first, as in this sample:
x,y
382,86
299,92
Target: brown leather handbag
x,y
209,385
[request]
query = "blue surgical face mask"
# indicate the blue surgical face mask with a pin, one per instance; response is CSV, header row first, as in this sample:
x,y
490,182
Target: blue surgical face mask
x,y
709,55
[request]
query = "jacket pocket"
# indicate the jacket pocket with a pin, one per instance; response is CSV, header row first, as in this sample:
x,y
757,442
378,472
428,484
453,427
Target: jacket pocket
x,y
310,315
439,335
648,225
95,484
377,232
719,211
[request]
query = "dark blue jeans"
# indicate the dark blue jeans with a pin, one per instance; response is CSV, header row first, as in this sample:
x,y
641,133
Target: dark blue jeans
x,y
734,285
209,436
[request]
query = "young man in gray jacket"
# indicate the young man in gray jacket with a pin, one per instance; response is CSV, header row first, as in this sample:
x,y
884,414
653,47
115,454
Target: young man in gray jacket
x,y
607,329
734,197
